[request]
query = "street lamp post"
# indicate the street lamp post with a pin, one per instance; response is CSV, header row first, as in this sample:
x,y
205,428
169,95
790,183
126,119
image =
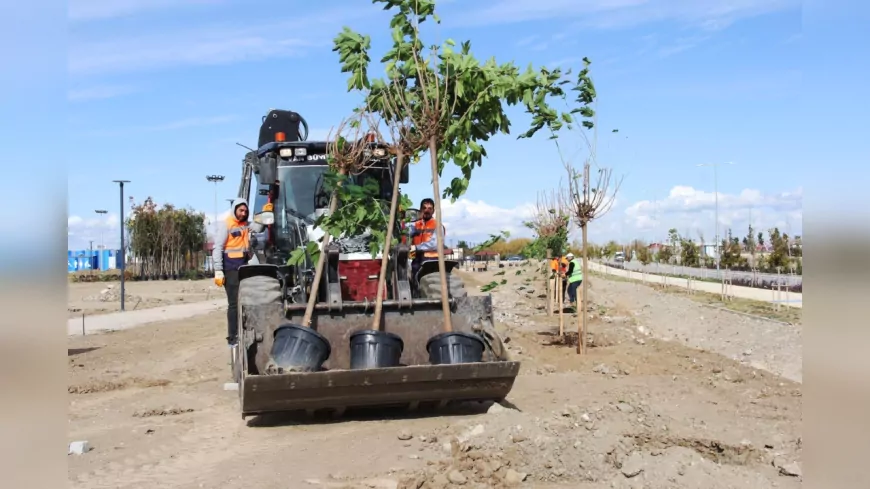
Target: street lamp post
x,y
122,254
102,212
716,197
215,179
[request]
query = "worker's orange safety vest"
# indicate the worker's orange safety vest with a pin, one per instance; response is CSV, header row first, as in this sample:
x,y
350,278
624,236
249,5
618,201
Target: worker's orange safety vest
x,y
423,233
238,238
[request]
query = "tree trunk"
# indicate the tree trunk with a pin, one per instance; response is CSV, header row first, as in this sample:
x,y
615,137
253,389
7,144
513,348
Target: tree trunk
x,y
559,282
548,273
385,259
439,235
321,260
581,308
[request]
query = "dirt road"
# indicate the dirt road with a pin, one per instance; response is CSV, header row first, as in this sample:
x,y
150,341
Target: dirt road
x,y
91,298
635,412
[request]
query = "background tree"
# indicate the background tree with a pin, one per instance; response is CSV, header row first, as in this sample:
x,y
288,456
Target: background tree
x,y
779,254
166,242
611,248
689,255
360,212
644,256
551,223
731,253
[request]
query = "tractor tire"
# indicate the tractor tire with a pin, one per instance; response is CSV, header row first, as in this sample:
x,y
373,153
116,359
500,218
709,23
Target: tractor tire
x,y
495,349
255,291
430,286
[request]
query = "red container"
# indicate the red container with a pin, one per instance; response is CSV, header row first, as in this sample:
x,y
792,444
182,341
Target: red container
x,y
359,280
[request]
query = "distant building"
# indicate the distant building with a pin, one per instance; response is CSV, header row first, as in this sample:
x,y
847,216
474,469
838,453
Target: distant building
x,y
655,247
708,250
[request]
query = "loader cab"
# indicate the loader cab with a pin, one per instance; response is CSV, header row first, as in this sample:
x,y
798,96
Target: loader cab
x,y
291,175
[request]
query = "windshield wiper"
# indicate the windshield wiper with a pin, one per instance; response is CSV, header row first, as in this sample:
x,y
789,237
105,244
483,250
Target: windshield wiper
x,y
298,215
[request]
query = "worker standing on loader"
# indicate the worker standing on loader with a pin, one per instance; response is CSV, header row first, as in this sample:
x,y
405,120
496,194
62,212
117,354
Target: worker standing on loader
x,y
424,240
575,277
232,250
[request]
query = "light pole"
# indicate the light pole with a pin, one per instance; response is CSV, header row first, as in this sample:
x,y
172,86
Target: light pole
x,y
102,212
215,179
716,197
122,254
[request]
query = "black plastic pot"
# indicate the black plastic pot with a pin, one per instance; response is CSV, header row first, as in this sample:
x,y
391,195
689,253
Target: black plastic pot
x,y
375,349
300,349
454,347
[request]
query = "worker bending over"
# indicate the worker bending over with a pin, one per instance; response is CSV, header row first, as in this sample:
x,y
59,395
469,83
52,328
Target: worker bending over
x,y
575,277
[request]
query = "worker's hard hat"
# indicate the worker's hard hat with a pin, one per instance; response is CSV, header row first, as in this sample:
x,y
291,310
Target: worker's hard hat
x,y
569,255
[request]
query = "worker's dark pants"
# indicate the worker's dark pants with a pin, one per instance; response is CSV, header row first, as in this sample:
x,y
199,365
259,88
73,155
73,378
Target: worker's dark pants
x,y
572,291
232,286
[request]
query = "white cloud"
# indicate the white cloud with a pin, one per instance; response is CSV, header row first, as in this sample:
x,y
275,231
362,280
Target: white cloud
x,y
685,208
692,211
465,219
81,230
708,15
476,220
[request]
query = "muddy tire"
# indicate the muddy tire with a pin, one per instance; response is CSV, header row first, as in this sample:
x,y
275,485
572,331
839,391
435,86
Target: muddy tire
x,y
254,291
495,350
430,286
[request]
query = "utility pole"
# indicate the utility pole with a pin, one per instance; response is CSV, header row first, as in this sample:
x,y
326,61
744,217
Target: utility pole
x,y
716,197
122,254
102,212
215,179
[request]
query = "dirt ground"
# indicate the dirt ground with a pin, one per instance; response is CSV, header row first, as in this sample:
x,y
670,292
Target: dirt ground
x,y
92,298
636,412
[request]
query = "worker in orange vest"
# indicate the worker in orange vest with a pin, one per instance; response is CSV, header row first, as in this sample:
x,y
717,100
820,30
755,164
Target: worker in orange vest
x,y
232,243
423,235
563,271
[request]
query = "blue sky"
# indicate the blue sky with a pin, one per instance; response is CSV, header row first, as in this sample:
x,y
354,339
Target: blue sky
x,y
159,92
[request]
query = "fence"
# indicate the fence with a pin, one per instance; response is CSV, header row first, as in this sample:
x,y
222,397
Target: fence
x,y
726,289
756,279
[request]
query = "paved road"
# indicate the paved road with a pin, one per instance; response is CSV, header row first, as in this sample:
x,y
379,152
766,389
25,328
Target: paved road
x,y
793,299
131,319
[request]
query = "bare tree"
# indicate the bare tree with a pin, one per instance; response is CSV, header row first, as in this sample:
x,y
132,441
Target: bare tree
x,y
403,142
346,152
589,200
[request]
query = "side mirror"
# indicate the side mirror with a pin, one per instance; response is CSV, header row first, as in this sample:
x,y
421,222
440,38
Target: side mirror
x,y
265,218
412,215
268,170
405,176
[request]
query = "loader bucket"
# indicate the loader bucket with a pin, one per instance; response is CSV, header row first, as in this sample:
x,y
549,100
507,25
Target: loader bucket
x,y
337,387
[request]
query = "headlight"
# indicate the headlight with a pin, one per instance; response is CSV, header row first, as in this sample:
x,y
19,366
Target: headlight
x,y
301,151
285,152
380,152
